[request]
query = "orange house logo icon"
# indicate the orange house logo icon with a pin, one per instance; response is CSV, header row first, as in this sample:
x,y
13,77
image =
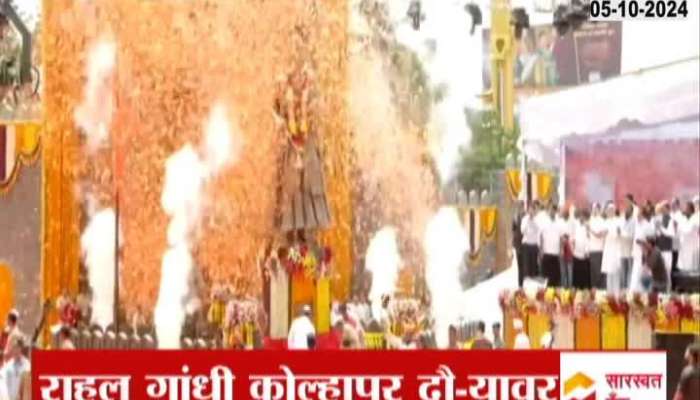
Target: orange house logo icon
x,y
581,385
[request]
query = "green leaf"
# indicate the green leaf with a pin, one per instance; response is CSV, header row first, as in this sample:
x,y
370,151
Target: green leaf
x,y
487,154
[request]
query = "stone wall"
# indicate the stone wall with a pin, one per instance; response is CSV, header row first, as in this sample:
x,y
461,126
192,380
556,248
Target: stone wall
x,y
20,243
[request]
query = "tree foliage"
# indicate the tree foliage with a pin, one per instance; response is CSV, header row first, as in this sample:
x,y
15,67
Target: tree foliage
x,y
410,85
490,145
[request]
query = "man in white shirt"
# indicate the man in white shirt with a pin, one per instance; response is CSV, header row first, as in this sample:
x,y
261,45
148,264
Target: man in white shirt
x,y
302,332
522,341
11,329
677,217
626,245
689,254
351,321
665,232
382,314
643,229
518,214
581,274
596,239
566,225
15,367
631,203
531,234
550,245
542,214
364,312
612,260
695,224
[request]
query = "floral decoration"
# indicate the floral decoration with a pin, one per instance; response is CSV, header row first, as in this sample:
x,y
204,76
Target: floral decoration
x,y
301,259
616,305
585,304
590,303
679,307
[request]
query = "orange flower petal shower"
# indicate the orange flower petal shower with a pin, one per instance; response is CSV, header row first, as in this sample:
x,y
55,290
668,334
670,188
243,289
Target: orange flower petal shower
x,y
174,59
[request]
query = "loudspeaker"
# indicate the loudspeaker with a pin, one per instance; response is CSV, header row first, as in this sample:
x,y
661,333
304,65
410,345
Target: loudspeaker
x,y
674,344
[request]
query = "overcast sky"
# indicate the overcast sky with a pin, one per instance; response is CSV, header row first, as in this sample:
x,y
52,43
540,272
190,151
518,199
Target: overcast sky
x,y
29,8
645,42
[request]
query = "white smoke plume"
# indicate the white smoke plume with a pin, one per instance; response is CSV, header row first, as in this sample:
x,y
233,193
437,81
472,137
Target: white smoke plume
x,y
389,155
221,147
186,175
170,313
97,244
94,115
452,58
182,190
445,246
384,261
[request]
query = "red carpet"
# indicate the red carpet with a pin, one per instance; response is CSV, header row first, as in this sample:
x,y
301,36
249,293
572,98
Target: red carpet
x,y
327,341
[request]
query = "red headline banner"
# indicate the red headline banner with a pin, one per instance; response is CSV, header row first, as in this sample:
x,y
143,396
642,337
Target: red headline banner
x,y
222,375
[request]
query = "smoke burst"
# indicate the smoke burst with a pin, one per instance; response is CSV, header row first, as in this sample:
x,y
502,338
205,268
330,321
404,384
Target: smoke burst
x,y
445,247
186,175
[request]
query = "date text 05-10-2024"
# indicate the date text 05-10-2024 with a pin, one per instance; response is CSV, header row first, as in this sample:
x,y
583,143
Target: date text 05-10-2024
x,y
612,9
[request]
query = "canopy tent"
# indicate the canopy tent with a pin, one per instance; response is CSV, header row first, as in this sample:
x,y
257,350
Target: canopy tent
x,y
681,129
652,96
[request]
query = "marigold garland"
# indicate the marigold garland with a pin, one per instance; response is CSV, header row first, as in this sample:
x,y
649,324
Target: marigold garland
x,y
590,303
312,262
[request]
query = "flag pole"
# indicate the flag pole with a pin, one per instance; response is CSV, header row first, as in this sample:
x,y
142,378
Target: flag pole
x,y
116,261
116,167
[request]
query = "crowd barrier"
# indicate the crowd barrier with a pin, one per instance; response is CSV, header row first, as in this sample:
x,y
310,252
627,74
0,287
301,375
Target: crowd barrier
x,y
97,339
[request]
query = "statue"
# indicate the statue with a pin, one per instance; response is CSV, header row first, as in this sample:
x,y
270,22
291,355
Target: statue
x,y
295,261
302,203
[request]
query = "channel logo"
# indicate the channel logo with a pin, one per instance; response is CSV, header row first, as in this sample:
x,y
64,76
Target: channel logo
x,y
579,387
612,375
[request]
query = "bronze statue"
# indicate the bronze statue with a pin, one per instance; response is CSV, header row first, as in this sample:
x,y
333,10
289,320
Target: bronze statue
x,y
302,203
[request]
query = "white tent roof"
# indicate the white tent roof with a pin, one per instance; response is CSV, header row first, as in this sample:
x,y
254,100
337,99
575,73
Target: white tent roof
x,y
672,130
653,96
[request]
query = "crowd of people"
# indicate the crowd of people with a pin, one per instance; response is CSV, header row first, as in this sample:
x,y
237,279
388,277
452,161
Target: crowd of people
x,y
614,247
235,323
475,338
387,324
396,324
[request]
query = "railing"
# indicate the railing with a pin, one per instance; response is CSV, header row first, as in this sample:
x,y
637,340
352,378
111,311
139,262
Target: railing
x,y
97,339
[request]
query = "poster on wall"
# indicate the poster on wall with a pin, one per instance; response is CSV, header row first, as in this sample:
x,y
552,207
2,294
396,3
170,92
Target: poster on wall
x,y
20,72
546,61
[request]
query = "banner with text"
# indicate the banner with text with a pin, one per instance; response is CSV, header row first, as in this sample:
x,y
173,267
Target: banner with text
x,y
545,61
348,375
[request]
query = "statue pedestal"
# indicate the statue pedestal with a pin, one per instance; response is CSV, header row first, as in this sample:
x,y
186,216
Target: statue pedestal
x,y
278,300
286,295
322,305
